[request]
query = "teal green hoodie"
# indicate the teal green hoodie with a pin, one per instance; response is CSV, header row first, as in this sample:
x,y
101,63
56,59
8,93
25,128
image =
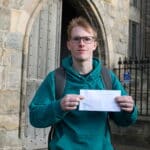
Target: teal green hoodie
x,y
76,130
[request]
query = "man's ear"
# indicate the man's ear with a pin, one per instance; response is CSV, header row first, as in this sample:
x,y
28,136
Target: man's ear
x,y
95,45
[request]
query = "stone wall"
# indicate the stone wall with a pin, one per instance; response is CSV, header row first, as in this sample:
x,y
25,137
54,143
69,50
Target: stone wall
x,y
16,18
13,21
10,75
115,15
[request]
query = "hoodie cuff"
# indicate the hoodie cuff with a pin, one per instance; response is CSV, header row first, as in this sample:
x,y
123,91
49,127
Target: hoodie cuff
x,y
133,115
58,112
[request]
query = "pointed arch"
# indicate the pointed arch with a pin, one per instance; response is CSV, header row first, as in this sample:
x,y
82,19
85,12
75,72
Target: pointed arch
x,y
32,11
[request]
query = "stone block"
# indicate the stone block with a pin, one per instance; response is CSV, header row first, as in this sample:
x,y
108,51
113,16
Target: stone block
x,y
108,1
1,54
2,138
12,58
19,20
9,122
10,102
12,3
9,140
16,59
13,77
1,77
15,16
4,19
5,3
14,41
5,58
2,35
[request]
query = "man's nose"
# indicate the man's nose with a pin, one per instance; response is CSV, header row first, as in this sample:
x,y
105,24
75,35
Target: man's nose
x,y
81,41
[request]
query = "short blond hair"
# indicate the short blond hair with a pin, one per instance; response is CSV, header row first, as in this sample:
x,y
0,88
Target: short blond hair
x,y
82,22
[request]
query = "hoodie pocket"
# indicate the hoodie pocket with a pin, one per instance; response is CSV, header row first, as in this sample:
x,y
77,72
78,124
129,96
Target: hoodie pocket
x,y
63,143
83,142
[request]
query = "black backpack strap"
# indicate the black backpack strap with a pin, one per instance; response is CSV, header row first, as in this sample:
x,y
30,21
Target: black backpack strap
x,y
60,80
106,78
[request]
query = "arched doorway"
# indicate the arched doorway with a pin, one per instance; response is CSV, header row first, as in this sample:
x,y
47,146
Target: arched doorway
x,y
46,47
73,9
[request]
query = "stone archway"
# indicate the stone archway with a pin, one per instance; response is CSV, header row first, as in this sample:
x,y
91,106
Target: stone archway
x,y
29,81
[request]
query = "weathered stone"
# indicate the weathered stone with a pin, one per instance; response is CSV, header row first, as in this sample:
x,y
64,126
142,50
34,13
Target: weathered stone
x,y
9,140
9,122
10,69
2,138
13,77
108,1
14,41
1,38
12,58
1,76
10,101
16,59
15,17
4,19
12,3
1,53
19,21
5,3
5,59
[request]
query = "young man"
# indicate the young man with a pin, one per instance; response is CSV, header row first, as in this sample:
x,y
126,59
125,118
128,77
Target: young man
x,y
74,129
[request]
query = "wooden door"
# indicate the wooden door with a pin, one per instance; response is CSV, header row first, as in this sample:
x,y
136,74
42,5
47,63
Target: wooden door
x,y
43,56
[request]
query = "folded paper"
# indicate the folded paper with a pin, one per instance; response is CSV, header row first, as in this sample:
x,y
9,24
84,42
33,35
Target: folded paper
x,y
99,100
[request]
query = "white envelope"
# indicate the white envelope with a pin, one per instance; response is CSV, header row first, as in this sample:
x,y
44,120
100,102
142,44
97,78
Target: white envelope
x,y
99,100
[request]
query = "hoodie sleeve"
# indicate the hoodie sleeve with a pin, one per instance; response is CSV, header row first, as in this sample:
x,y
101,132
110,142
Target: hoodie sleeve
x,y
122,118
44,109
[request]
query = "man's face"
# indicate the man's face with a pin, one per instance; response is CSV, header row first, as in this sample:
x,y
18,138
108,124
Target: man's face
x,y
82,44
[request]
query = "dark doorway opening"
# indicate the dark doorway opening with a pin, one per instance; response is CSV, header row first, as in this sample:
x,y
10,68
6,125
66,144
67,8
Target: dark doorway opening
x,y
68,12
73,9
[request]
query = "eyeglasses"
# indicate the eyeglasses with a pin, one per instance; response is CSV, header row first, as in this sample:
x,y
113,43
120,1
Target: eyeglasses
x,y
85,39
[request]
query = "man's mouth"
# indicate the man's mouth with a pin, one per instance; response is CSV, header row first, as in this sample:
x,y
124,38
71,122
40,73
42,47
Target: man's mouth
x,y
81,50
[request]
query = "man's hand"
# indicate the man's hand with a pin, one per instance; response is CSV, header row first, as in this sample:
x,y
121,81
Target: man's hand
x,y
70,101
126,103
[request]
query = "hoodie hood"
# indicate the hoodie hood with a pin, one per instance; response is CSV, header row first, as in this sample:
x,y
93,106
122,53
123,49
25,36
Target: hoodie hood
x,y
72,74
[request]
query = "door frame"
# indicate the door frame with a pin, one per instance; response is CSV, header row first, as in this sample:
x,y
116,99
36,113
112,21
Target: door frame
x,y
91,13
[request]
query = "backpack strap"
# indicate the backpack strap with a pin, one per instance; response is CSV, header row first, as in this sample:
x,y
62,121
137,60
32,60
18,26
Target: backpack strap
x,y
60,81
108,85
106,78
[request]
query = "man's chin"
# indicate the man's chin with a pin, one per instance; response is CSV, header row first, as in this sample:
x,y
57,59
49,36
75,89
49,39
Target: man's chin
x,y
80,58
